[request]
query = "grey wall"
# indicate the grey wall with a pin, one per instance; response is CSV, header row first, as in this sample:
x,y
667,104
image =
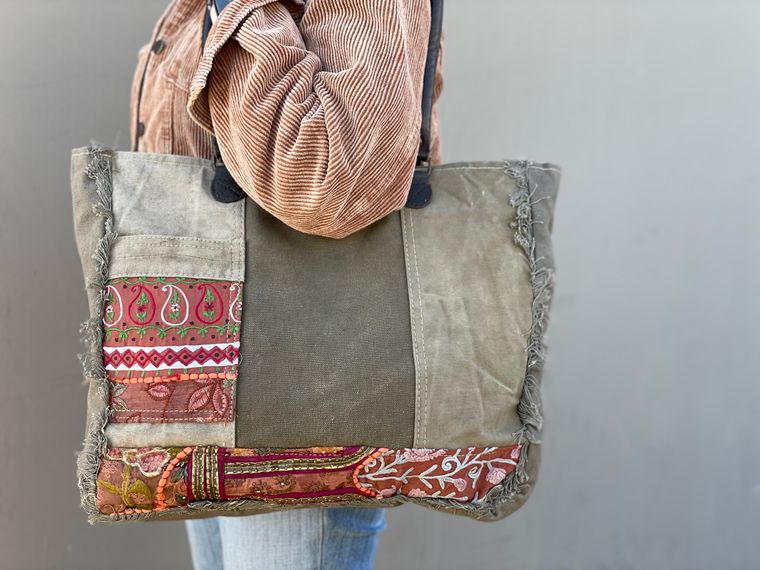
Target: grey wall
x,y
653,386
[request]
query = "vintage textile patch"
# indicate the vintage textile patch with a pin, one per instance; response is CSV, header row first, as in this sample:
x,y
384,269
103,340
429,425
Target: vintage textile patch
x,y
165,311
171,357
186,397
141,479
135,480
460,475
171,349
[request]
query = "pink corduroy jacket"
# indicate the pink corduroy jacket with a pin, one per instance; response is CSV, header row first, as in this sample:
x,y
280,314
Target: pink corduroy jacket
x,y
316,105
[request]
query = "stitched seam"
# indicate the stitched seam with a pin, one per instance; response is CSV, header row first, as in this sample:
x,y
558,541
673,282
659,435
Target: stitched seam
x,y
233,387
240,246
461,166
189,162
220,276
219,247
204,242
173,413
455,166
169,379
163,258
414,332
426,393
468,168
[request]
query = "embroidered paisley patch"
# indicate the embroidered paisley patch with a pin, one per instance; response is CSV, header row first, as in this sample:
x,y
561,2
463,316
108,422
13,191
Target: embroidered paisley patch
x,y
171,349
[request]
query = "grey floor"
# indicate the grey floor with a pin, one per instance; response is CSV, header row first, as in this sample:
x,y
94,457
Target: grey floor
x,y
652,392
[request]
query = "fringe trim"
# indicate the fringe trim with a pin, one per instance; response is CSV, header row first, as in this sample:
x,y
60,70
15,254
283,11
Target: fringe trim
x,y
94,446
529,408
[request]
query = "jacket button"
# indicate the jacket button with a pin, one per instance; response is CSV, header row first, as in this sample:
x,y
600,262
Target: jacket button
x,y
158,46
140,129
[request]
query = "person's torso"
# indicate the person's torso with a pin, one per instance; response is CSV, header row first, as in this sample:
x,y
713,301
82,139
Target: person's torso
x,y
159,121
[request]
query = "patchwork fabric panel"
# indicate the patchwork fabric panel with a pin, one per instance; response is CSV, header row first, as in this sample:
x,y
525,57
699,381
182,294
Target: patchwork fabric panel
x,y
171,348
142,480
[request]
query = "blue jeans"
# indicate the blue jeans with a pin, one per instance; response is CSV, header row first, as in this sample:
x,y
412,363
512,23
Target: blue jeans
x,y
342,538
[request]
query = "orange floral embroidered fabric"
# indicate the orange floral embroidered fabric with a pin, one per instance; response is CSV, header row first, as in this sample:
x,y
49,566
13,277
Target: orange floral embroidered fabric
x,y
144,479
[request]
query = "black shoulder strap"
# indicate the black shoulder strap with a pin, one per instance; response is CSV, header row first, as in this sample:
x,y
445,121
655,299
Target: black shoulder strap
x,y
421,192
434,44
224,187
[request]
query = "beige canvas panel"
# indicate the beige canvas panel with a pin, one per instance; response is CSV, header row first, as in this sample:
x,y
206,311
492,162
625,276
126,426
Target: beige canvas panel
x,y
177,434
168,222
470,297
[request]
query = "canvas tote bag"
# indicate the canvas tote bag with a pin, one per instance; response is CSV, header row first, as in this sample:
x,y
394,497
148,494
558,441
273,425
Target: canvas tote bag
x,y
238,366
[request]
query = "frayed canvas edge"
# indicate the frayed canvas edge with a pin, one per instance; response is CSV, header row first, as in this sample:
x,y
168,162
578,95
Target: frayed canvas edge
x,y
99,170
529,408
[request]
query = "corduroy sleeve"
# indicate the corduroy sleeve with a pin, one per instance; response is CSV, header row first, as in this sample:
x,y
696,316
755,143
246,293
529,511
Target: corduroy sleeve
x,y
319,122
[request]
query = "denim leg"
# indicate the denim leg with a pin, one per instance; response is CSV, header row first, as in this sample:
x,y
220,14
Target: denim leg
x,y
282,539
351,537
205,543
302,539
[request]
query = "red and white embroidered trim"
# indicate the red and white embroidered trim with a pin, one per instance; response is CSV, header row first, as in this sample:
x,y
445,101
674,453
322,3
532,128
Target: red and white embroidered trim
x,y
165,357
